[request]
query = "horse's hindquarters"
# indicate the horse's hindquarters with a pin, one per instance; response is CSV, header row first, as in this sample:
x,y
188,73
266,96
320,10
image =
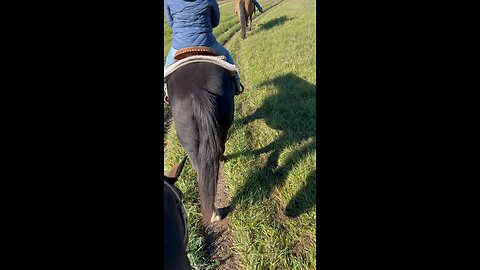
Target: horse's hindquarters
x,y
244,10
202,103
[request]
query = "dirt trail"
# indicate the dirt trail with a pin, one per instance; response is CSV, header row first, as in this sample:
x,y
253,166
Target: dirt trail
x,y
218,237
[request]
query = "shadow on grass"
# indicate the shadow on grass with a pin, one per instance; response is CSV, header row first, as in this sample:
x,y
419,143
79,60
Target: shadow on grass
x,y
302,201
292,111
272,23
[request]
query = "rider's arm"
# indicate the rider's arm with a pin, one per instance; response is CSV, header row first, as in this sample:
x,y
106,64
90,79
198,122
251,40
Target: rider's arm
x,y
215,17
168,15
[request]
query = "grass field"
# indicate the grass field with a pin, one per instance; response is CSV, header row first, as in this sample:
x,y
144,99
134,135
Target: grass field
x,y
271,148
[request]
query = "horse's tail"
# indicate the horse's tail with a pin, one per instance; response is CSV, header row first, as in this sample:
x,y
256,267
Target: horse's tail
x,y
209,152
243,18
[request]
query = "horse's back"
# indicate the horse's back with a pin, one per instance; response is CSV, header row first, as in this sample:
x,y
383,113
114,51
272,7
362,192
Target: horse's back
x,y
196,76
248,5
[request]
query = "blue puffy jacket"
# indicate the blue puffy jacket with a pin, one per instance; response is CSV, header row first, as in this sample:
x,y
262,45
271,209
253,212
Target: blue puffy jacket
x,y
192,22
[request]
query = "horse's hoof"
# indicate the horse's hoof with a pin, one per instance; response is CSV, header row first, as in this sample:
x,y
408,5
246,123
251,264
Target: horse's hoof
x,y
215,217
224,158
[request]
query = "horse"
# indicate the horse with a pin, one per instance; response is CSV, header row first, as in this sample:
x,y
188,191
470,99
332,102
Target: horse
x,y
175,230
244,10
201,97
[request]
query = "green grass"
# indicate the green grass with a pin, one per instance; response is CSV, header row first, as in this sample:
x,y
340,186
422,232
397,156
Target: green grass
x,y
271,145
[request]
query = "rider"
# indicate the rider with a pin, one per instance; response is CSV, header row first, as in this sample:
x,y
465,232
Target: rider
x,y
255,2
192,23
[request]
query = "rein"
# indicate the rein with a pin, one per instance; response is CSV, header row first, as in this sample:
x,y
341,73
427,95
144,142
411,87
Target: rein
x,y
182,211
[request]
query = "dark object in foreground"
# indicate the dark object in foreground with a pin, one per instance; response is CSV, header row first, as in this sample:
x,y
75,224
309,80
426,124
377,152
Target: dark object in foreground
x,y
175,232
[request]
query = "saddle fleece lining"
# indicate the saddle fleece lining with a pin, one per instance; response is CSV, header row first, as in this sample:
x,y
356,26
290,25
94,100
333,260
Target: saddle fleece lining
x,y
217,60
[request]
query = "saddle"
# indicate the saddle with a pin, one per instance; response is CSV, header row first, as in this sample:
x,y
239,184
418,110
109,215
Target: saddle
x,y
199,54
187,52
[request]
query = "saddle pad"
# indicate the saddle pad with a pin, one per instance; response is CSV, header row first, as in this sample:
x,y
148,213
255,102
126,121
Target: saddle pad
x,y
217,60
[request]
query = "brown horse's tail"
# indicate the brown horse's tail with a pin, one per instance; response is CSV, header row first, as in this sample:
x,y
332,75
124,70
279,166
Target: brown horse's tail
x,y
209,152
243,18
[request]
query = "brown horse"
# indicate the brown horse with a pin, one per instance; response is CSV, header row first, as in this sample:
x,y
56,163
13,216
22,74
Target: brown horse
x,y
244,10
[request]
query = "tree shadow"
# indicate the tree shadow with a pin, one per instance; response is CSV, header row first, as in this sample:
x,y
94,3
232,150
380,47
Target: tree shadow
x,y
292,111
272,23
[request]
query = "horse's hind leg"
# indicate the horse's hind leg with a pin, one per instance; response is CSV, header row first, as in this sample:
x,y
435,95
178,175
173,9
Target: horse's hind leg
x,y
189,137
187,132
223,140
226,111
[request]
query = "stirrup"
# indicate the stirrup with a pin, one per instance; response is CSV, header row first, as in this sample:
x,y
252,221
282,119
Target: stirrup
x,y
239,88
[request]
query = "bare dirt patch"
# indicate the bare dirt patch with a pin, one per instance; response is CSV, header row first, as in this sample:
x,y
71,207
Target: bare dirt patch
x,y
299,246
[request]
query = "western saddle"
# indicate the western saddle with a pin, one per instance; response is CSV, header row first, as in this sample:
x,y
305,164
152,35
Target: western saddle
x,y
186,52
